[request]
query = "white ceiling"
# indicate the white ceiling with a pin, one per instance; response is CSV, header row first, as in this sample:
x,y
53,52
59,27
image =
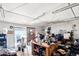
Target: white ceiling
x,y
76,10
35,13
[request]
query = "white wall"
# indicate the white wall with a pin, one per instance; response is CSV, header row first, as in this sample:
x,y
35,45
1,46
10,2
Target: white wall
x,y
55,27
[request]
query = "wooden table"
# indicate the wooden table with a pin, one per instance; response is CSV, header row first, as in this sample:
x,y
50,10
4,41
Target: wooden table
x,y
49,49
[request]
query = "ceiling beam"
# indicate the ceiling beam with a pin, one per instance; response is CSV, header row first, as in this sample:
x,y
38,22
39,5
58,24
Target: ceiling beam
x,y
39,16
65,8
72,10
68,20
23,4
54,22
18,14
60,10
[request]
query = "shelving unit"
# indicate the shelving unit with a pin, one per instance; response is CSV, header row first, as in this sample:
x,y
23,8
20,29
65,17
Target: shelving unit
x,y
3,40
